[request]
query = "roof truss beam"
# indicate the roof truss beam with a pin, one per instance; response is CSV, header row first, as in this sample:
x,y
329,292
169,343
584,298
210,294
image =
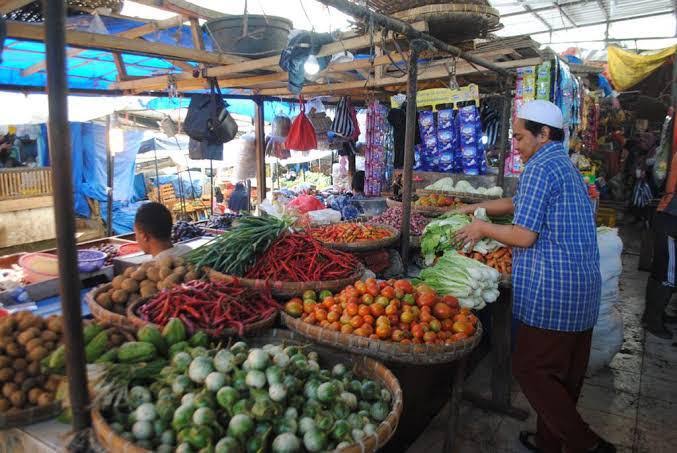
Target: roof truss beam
x,y
135,32
184,8
564,13
535,14
34,32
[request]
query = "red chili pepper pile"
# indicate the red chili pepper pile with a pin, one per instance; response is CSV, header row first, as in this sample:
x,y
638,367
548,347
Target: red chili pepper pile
x,y
210,306
350,232
298,257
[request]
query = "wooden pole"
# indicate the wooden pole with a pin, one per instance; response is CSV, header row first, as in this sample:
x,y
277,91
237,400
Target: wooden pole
x,y
505,136
260,134
64,213
109,173
410,135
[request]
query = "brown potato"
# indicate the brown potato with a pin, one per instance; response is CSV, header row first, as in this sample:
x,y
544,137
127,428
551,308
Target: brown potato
x,y
104,299
139,275
13,350
20,364
33,368
18,399
153,274
9,388
178,261
128,272
55,325
190,275
33,395
117,281
34,343
49,345
29,383
5,328
38,354
165,272
130,285
120,296
5,361
52,383
20,377
48,335
148,291
180,271
6,374
27,335
45,399
5,405
166,261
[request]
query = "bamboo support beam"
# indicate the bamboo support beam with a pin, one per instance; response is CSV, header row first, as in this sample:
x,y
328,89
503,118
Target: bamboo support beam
x,y
33,32
404,28
135,32
120,66
184,8
437,71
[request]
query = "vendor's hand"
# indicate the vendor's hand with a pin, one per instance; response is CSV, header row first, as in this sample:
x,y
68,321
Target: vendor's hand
x,y
470,234
466,209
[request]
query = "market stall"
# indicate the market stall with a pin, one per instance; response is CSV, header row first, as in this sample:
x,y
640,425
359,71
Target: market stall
x,y
311,272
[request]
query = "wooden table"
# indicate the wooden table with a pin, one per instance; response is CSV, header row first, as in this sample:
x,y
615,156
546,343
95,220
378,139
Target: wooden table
x,y
500,356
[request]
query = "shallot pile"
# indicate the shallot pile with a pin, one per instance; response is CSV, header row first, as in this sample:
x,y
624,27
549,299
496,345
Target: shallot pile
x,y
393,217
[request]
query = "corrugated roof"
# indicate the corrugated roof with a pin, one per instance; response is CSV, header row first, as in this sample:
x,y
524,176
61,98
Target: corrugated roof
x,y
538,16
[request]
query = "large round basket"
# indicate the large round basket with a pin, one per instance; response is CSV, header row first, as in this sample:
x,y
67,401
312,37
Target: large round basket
x,y
290,289
103,315
366,246
364,367
418,354
427,211
14,418
109,439
249,329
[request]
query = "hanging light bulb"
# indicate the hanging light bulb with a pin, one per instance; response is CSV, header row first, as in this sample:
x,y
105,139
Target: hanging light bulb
x,y
311,66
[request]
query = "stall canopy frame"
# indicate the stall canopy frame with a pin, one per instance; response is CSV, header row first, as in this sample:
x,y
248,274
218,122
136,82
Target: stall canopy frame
x,y
235,73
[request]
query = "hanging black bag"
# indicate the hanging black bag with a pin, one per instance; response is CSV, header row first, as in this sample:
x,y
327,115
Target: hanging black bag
x,y
208,119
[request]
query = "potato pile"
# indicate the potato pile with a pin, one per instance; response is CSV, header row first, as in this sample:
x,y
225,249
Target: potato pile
x,y
145,281
26,339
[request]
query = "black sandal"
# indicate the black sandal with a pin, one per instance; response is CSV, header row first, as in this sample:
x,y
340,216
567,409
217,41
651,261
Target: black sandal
x,y
525,439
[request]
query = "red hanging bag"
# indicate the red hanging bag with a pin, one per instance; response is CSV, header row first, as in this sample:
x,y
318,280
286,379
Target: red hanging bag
x,y
302,133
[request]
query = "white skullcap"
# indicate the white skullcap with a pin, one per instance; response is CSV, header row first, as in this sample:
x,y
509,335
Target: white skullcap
x,y
544,112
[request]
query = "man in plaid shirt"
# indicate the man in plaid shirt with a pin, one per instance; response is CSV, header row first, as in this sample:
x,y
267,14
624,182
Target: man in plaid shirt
x,y
556,279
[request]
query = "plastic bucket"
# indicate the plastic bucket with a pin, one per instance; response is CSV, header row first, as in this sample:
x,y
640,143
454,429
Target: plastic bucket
x,y
265,35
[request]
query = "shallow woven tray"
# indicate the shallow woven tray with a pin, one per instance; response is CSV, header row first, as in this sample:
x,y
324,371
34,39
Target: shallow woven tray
x,y
109,439
364,367
427,211
289,289
250,329
366,246
418,354
14,418
463,196
106,316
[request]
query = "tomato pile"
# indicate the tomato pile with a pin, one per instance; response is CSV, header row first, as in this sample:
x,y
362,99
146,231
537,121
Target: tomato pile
x,y
437,201
350,232
392,310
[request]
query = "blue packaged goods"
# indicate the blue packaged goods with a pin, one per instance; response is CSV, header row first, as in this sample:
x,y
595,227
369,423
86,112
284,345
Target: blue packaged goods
x,y
426,123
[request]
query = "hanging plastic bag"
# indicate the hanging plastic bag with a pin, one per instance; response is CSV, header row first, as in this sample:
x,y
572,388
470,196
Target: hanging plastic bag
x,y
302,134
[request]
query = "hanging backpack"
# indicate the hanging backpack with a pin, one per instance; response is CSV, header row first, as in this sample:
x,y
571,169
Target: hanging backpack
x,y
208,119
302,134
343,125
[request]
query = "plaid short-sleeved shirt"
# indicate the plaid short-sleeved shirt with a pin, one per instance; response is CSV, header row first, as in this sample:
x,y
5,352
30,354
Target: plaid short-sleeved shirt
x,y
556,281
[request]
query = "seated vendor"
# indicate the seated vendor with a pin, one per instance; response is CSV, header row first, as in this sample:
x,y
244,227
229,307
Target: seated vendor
x,y
357,184
153,230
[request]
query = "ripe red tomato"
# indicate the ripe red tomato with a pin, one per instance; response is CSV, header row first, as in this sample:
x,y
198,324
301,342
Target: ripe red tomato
x,y
442,311
367,299
377,309
404,285
426,299
388,292
451,301
435,325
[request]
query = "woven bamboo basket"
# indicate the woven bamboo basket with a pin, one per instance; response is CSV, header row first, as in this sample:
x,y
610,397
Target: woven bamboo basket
x,y
14,418
416,354
109,439
463,196
366,246
250,329
364,367
106,316
290,289
427,211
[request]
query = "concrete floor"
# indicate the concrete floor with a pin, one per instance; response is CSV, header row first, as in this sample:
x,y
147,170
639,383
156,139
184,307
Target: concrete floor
x,y
632,403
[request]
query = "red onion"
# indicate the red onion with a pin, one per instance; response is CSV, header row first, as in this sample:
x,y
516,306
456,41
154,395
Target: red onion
x,y
393,217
